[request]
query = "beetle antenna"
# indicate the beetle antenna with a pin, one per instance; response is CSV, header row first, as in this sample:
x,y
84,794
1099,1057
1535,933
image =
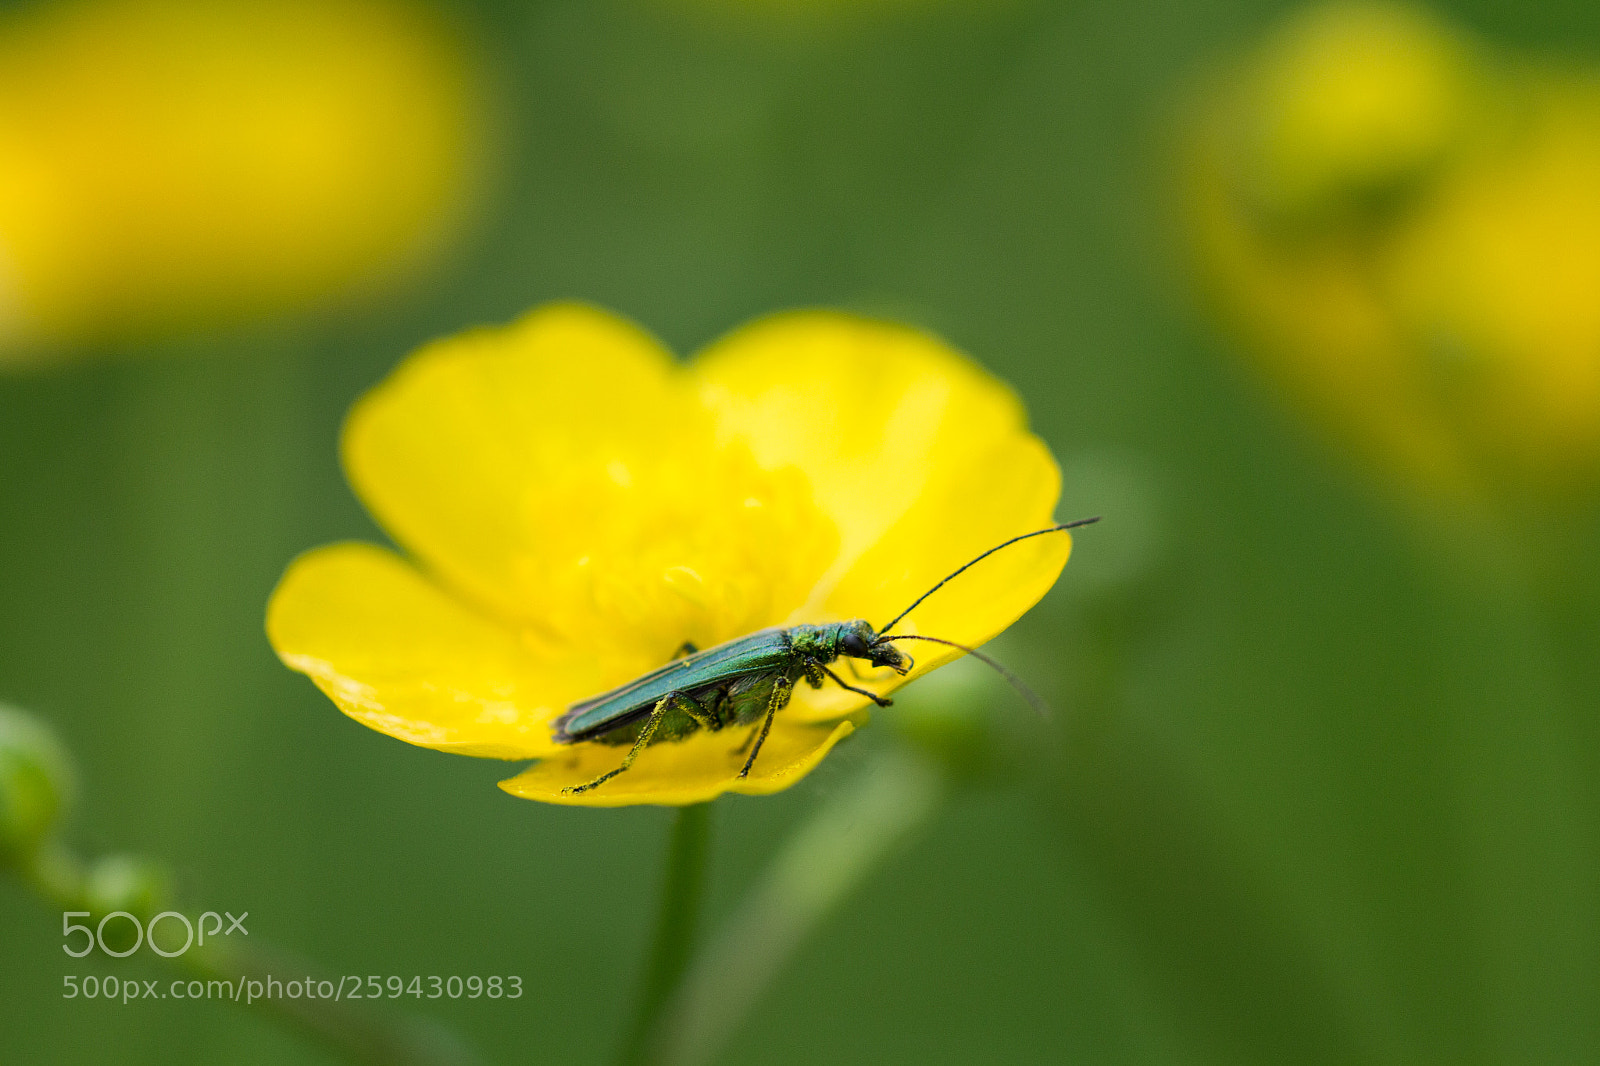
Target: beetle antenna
x,y
1033,698
991,551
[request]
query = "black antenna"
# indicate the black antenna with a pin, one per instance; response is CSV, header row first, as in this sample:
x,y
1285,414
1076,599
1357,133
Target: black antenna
x,y
1027,693
991,551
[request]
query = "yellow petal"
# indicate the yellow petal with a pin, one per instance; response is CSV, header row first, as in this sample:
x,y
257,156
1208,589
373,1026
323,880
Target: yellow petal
x,y
872,413
401,656
559,474
443,451
699,768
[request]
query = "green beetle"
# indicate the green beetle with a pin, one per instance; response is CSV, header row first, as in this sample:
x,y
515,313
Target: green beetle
x,y
749,678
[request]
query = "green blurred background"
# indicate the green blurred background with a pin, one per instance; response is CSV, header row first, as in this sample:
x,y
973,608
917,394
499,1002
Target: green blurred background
x,y
1323,789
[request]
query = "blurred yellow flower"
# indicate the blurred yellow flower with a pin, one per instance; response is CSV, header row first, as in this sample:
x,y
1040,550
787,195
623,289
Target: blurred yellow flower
x,y
1407,229
1498,275
172,163
1344,106
577,506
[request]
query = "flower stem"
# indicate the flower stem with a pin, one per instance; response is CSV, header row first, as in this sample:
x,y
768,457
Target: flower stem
x,y
828,856
681,890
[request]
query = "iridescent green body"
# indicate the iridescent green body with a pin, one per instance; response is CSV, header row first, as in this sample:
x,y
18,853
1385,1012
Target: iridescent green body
x,y
740,682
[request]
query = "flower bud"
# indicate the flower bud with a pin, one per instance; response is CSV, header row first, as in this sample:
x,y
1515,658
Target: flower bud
x,y
36,784
125,883
954,716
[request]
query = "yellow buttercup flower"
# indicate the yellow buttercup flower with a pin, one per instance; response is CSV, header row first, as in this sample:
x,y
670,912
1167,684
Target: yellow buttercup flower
x,y
167,164
577,505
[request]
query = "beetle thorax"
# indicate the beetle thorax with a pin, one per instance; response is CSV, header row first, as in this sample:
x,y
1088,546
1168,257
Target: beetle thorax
x,y
820,643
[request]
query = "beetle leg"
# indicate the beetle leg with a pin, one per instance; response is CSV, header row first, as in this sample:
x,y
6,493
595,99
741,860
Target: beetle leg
x,y
645,734
706,714
814,676
717,705
685,649
782,687
881,701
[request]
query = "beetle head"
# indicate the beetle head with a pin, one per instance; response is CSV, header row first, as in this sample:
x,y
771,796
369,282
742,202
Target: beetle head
x,y
860,641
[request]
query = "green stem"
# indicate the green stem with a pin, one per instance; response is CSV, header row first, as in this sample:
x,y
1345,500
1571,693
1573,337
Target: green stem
x,y
828,856
675,926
